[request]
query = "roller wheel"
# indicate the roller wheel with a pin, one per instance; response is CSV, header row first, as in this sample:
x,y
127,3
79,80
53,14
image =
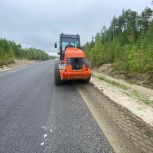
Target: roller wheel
x,y
57,77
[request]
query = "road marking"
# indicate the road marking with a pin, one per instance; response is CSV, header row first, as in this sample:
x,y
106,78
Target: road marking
x,y
47,128
45,135
42,143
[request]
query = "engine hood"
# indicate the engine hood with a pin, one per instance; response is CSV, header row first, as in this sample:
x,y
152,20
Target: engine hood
x,y
74,52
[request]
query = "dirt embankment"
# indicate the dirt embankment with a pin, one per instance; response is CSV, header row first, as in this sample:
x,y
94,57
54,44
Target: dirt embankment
x,y
17,63
142,79
135,98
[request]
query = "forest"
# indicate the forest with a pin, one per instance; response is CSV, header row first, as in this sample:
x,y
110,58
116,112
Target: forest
x,y
9,51
127,43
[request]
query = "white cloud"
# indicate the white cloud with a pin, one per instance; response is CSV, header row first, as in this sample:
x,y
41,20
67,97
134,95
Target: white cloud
x,y
38,23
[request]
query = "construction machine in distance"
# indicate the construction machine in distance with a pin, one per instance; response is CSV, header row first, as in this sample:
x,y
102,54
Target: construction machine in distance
x,y
72,64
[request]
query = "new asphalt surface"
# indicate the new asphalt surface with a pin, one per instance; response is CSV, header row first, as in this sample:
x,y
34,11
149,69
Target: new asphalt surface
x,y
38,117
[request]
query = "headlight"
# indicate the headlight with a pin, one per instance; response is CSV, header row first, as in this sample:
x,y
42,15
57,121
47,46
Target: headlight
x,y
61,66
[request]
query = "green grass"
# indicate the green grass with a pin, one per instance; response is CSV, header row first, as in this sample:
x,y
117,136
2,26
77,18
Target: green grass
x,y
141,97
117,84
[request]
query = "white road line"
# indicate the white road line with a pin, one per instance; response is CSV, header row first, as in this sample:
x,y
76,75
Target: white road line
x,y
42,143
45,135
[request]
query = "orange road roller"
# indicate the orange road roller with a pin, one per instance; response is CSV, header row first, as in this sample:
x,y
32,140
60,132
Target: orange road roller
x,y
72,64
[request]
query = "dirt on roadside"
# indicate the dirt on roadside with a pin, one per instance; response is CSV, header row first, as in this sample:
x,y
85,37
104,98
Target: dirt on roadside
x,y
17,63
143,79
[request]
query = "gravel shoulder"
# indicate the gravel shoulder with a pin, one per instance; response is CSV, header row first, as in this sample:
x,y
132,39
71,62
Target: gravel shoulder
x,y
17,64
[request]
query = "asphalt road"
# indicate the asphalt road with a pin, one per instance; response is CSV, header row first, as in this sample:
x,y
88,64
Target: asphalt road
x,y
38,117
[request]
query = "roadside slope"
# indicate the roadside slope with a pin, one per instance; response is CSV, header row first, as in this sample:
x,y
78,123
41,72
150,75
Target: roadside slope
x,y
135,98
126,132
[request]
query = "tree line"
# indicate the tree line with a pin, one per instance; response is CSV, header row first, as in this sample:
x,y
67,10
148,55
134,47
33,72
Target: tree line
x,y
9,51
127,43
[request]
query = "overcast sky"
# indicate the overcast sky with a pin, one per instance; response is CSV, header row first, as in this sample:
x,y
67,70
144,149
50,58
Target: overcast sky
x,y
38,23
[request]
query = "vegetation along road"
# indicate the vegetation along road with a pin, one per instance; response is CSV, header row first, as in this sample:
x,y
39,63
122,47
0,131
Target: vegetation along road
x,y
37,116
